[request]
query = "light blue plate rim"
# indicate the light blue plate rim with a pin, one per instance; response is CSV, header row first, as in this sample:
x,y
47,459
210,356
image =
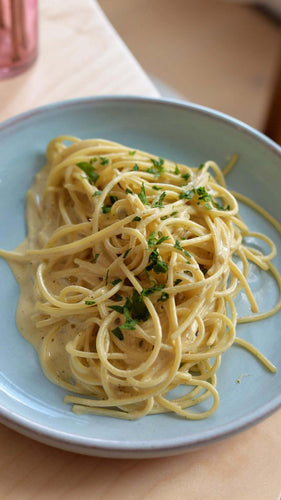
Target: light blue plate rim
x,y
227,119
94,446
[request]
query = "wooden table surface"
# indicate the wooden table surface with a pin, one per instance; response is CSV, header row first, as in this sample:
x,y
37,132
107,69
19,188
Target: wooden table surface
x,y
81,55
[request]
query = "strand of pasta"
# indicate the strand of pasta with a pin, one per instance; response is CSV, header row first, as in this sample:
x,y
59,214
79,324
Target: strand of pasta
x,y
126,227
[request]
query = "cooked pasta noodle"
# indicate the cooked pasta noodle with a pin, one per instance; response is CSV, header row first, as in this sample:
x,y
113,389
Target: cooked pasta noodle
x,y
131,269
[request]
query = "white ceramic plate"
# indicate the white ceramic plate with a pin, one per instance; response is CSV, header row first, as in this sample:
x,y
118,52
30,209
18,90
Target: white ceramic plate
x,y
185,133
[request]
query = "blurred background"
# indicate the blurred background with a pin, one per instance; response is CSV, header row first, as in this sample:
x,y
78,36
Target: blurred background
x,y
222,54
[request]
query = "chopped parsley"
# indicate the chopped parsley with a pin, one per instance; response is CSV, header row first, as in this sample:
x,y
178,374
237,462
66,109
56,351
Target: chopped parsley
x,y
129,191
89,302
106,209
155,263
162,239
103,160
92,175
119,309
113,199
106,277
187,195
131,153
179,247
153,241
177,281
157,287
177,170
201,166
142,195
130,322
136,167
220,207
185,176
136,218
157,188
97,193
164,217
115,282
117,332
159,202
157,168
137,307
134,310
164,297
202,194
117,297
95,258
126,253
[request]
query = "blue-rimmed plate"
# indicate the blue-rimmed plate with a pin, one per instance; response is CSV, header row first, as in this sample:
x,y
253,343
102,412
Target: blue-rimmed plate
x,y
186,133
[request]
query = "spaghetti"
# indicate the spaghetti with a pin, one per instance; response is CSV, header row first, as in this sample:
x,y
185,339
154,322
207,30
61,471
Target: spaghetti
x,y
130,278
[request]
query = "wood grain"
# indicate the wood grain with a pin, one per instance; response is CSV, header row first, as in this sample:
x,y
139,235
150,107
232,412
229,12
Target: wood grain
x,y
80,55
244,467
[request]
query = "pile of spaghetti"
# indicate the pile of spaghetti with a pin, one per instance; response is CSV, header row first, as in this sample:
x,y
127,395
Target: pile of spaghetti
x,y
134,278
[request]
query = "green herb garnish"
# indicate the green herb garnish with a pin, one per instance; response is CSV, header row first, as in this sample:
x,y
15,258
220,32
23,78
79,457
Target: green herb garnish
x,y
119,309
117,297
126,253
115,282
89,170
117,332
151,240
187,195
136,219
157,287
220,207
113,199
130,322
162,239
165,217
106,276
89,302
106,209
103,160
97,193
159,202
177,281
155,263
179,247
202,194
185,176
142,195
164,297
157,168
131,153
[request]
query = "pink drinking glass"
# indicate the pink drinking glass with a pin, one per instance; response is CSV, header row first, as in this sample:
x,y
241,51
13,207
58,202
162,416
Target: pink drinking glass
x,y
18,36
